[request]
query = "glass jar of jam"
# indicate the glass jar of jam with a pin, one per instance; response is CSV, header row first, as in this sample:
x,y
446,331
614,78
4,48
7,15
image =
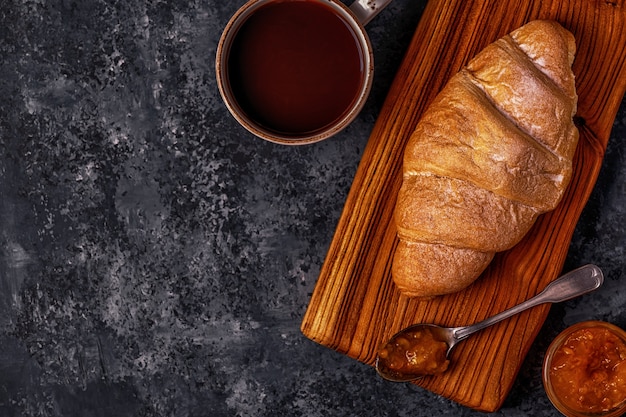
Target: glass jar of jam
x,y
584,370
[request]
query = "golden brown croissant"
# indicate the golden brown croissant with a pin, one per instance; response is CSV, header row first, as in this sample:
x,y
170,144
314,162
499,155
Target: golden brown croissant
x,y
491,153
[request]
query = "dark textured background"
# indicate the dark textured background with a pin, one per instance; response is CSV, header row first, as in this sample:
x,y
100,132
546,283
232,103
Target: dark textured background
x,y
157,260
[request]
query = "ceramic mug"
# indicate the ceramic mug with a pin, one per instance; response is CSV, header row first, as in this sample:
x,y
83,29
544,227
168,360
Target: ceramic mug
x,y
296,71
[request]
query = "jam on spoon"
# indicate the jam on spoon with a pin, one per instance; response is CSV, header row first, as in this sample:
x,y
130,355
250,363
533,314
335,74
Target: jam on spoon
x,y
417,351
424,349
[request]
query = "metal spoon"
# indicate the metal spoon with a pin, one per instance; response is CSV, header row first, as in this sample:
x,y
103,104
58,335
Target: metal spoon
x,y
573,284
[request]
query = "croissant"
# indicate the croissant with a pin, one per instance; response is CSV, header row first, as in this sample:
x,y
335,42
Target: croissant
x,y
491,153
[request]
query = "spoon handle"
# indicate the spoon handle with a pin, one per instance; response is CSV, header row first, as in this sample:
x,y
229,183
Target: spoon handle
x,y
577,282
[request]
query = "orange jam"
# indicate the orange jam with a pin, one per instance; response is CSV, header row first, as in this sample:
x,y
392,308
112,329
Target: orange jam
x,y
585,369
415,353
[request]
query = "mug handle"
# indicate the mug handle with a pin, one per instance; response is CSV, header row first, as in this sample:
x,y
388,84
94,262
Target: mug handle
x,y
366,10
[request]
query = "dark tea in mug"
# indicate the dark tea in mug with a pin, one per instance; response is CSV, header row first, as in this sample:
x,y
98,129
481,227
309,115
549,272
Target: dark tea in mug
x,y
296,67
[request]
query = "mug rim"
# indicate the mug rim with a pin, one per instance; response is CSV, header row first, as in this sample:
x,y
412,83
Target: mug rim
x,y
221,71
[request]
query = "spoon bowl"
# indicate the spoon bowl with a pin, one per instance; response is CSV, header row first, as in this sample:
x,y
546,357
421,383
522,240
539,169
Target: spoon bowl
x,y
424,349
416,351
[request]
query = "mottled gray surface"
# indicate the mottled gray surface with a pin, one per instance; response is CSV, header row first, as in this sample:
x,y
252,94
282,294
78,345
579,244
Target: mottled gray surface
x,y
156,260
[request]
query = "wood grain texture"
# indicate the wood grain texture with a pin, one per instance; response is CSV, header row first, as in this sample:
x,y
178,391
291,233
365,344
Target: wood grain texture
x,y
355,306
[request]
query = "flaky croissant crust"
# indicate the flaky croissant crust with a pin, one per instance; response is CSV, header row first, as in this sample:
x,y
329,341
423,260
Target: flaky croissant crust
x,y
491,153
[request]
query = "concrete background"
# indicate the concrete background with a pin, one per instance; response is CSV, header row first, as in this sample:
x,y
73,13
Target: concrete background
x,y
157,260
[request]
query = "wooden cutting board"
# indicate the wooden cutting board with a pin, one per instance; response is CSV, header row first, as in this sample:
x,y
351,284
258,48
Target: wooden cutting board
x,y
355,306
